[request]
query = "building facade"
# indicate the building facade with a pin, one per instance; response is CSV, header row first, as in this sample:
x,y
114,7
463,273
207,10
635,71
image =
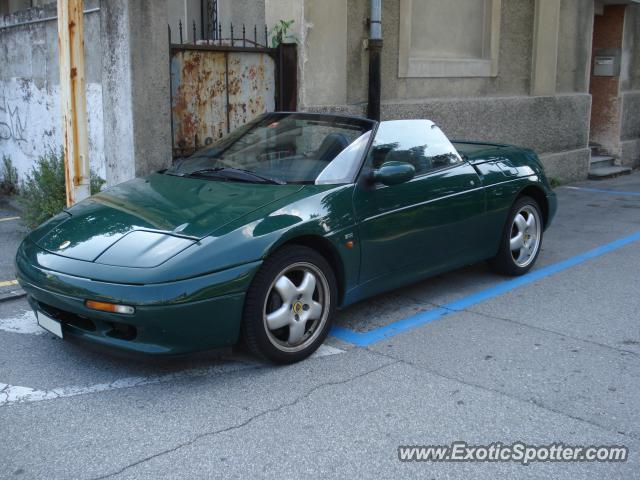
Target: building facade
x,y
512,71
552,75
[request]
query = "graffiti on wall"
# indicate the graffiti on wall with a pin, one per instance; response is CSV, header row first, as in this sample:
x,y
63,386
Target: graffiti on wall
x,y
12,122
30,123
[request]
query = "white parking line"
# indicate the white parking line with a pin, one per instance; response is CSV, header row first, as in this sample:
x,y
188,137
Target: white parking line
x,y
326,350
16,394
12,394
24,322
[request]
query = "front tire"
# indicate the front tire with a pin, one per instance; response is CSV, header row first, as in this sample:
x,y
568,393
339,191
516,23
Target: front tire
x,y
290,305
521,239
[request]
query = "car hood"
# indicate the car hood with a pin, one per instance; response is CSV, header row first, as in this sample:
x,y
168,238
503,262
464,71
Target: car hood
x,y
151,219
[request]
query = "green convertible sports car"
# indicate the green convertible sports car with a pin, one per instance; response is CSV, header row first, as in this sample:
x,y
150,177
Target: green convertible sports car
x,y
264,234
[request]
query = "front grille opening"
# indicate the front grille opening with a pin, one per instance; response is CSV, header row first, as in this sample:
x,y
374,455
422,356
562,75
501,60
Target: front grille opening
x,y
68,318
122,331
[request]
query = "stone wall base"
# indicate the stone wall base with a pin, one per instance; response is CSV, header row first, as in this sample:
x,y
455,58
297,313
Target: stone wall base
x,y
567,166
630,153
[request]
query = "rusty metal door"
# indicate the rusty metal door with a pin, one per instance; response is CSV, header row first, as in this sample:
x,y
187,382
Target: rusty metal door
x,y
219,84
217,89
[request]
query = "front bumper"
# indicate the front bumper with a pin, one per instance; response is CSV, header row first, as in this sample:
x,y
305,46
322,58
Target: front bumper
x,y
170,318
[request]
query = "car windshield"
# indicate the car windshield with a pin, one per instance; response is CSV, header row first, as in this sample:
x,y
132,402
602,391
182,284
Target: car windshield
x,y
284,148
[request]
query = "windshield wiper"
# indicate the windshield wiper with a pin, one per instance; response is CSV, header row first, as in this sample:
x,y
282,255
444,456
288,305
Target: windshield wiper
x,y
237,174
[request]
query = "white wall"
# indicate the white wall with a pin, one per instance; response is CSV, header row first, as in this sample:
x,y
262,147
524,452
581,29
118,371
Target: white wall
x,y
321,30
30,115
30,122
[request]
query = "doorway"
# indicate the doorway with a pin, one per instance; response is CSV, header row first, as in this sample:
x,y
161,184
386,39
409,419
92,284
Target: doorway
x,y
604,87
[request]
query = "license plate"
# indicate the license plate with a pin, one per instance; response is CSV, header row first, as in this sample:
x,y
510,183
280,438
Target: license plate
x,y
49,324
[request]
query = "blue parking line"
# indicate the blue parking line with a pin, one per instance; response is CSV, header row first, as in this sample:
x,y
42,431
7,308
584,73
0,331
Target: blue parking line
x,y
600,190
363,339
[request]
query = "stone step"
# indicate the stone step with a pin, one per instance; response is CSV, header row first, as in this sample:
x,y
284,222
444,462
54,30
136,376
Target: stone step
x,y
601,161
600,173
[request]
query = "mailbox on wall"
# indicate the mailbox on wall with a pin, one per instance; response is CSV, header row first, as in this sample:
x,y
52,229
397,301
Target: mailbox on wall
x,y
606,62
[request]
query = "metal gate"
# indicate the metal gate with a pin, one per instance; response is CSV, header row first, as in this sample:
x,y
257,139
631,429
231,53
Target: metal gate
x,y
219,84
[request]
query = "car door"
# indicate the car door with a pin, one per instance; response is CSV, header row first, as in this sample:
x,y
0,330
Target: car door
x,y
424,225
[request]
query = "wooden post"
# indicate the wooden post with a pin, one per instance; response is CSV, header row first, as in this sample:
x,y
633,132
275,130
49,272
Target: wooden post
x,y
73,99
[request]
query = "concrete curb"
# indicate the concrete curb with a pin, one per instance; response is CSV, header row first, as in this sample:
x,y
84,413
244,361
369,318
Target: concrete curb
x,y
11,293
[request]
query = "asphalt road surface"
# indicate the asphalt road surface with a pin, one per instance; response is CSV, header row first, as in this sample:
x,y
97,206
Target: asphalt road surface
x,y
468,356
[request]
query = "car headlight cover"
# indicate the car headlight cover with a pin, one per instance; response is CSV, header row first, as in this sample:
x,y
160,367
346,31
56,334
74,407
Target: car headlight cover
x,y
143,249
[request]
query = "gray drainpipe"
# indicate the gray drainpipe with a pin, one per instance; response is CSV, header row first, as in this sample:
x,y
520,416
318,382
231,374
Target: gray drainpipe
x,y
375,47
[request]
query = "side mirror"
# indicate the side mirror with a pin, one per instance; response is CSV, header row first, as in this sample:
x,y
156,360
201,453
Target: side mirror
x,y
394,173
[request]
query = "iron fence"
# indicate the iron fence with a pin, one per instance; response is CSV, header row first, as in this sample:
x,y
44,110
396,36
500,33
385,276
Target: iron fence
x,y
225,77
212,31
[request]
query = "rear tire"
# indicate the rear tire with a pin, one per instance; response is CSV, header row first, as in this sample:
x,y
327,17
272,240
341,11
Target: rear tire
x,y
521,239
290,305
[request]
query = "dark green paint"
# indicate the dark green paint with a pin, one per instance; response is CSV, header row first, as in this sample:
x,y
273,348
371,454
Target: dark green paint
x,y
217,234
394,173
433,222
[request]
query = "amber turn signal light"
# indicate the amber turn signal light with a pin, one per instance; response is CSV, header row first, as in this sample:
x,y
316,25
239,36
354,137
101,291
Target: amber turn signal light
x,y
109,307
